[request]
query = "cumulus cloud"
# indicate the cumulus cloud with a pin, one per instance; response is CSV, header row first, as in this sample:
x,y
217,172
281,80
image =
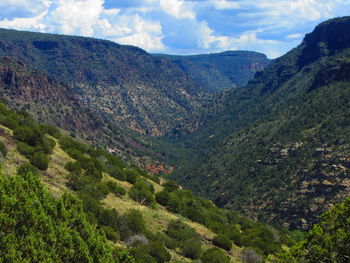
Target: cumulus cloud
x,y
75,17
30,23
177,26
177,8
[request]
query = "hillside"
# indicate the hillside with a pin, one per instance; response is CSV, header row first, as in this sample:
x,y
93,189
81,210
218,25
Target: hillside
x,y
144,217
278,149
219,71
122,84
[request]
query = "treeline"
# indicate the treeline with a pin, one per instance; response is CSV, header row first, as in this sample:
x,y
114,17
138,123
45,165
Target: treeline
x,y
328,241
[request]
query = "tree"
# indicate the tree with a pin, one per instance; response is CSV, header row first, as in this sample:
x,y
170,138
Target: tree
x,y
214,255
222,242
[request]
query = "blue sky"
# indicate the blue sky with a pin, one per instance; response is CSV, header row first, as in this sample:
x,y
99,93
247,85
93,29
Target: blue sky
x,y
178,26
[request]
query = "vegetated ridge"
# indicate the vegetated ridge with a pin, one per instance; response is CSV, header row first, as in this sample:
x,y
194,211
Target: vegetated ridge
x,y
219,71
278,149
123,84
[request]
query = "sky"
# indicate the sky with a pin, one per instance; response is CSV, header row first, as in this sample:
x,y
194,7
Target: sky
x,y
178,26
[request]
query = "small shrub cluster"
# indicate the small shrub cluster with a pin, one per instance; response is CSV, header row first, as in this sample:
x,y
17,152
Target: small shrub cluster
x,y
185,238
32,140
3,149
228,226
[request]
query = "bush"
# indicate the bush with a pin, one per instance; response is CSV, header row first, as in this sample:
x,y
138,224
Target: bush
x,y
131,176
163,198
222,242
191,248
111,234
51,130
26,168
98,190
118,173
8,122
141,193
29,135
25,149
214,255
3,149
158,251
40,160
180,231
135,221
170,186
116,189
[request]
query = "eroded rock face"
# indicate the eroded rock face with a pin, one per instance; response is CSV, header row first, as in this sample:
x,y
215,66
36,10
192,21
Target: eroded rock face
x,y
48,99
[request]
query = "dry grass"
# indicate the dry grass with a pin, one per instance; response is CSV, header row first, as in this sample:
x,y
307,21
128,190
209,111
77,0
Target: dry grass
x,y
55,177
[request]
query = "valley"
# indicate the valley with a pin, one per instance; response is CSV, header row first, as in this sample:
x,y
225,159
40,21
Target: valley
x,y
199,158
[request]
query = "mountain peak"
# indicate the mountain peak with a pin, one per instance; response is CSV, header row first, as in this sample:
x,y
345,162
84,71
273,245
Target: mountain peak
x,y
326,39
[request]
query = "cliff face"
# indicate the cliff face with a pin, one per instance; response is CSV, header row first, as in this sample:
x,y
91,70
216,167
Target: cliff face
x,y
49,99
216,72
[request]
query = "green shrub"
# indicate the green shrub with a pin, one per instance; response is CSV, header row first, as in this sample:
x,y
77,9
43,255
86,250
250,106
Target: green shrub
x,y
98,190
3,149
181,231
29,135
131,176
118,173
51,130
26,168
163,198
40,160
41,228
140,192
214,255
130,224
170,186
111,234
158,252
73,167
8,122
25,149
222,242
191,248
116,189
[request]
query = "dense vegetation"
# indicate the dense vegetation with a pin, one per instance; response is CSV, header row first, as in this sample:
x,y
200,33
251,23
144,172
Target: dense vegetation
x,y
328,241
88,169
278,146
35,227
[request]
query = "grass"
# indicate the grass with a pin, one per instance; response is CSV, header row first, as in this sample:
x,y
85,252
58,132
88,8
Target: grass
x,y
13,158
55,178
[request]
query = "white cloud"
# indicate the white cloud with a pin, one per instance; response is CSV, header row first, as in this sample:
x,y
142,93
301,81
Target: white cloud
x,y
31,23
224,4
177,8
75,17
295,36
134,30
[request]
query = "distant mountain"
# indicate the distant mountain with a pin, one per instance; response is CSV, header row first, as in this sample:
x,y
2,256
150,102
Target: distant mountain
x,y
221,71
123,84
278,149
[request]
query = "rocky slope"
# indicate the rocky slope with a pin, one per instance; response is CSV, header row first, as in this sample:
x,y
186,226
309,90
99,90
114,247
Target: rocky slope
x,y
278,149
221,71
121,83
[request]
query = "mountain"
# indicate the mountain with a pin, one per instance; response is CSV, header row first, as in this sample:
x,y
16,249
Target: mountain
x,y
278,149
123,84
226,70
61,199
